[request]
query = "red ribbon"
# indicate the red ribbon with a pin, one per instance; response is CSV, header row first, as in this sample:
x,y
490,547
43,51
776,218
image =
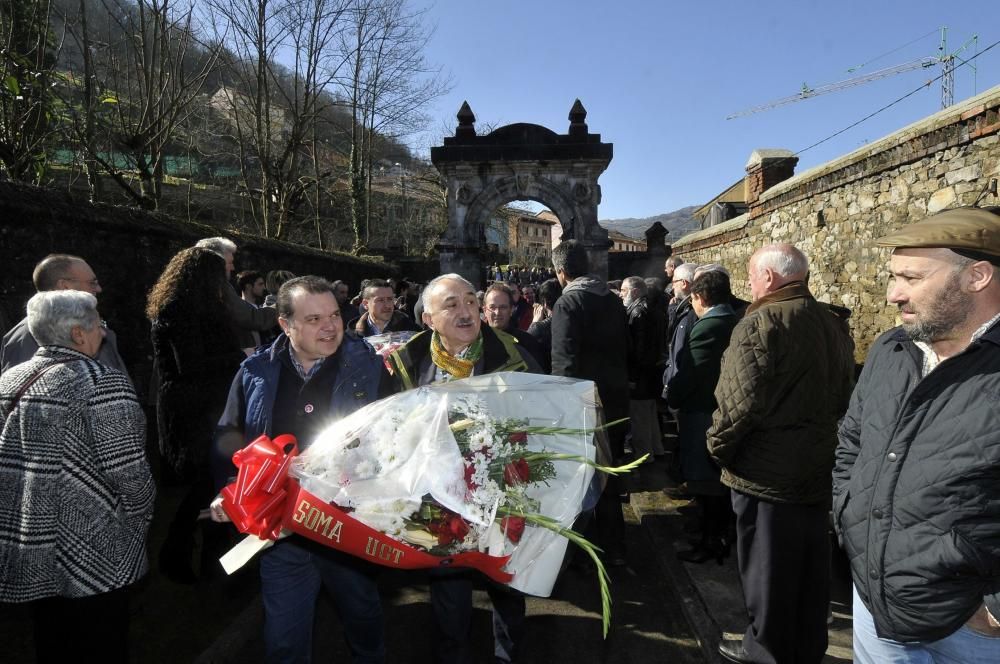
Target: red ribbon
x,y
258,503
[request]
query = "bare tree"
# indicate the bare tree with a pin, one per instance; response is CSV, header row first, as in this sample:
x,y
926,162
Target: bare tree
x,y
27,58
273,110
390,83
138,88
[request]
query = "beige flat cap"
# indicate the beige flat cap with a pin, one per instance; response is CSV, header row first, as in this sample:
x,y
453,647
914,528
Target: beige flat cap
x,y
968,229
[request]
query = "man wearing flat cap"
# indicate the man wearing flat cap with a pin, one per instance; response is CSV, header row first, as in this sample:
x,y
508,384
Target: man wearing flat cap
x,y
917,479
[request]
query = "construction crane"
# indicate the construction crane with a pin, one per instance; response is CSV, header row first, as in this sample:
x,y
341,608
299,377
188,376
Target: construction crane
x,y
807,92
945,59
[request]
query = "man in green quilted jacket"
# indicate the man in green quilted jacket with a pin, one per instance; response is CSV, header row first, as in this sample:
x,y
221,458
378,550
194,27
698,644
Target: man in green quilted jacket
x,y
785,382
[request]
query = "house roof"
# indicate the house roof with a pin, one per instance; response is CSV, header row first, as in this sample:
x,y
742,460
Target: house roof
x,y
735,194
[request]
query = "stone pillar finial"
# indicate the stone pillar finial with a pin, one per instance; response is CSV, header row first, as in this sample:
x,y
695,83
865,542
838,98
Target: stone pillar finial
x,y
466,121
656,236
578,119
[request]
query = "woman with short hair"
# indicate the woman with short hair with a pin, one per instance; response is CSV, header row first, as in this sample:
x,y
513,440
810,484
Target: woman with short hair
x,y
76,494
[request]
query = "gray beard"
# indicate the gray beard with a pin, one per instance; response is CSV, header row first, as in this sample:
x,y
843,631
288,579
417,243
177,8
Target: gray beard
x,y
942,318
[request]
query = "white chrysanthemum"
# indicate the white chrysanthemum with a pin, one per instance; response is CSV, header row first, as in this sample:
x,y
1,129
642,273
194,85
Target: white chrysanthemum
x,y
366,469
387,516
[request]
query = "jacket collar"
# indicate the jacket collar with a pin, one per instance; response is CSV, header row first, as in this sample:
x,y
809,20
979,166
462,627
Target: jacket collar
x,y
63,353
419,347
351,348
791,291
718,311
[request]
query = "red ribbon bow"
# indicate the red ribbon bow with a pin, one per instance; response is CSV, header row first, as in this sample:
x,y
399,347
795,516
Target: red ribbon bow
x,y
256,500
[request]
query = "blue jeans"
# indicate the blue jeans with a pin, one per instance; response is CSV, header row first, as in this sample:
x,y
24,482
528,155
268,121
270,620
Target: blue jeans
x,y
291,574
964,646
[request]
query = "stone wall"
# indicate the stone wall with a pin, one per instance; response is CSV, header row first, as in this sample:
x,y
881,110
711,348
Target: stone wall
x,y
835,211
128,249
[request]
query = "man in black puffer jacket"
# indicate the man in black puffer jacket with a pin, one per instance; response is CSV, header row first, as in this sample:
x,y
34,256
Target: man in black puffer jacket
x,y
917,478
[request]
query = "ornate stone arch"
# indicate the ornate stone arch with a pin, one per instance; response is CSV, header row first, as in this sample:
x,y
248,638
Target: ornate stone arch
x,y
520,162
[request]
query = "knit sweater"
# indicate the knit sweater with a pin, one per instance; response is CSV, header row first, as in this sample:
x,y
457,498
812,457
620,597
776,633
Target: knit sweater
x,y
76,494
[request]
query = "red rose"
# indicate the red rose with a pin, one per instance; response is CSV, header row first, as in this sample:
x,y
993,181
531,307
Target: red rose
x,y
449,529
513,526
516,472
470,470
518,438
458,527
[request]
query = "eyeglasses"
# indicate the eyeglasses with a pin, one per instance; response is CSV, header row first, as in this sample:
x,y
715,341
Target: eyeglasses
x,y
93,283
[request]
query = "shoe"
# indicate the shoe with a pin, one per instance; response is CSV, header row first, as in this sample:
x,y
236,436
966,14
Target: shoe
x,y
732,650
677,492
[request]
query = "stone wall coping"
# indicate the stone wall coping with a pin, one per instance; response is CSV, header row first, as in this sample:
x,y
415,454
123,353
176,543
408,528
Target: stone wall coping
x,y
758,156
56,203
943,118
734,224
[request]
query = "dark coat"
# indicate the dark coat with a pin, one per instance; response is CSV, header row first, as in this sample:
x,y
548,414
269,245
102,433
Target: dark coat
x,y
916,487
645,380
528,343
590,338
683,319
197,357
399,322
785,382
692,387
542,333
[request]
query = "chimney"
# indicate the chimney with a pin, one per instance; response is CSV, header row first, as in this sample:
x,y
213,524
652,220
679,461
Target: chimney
x,y
766,168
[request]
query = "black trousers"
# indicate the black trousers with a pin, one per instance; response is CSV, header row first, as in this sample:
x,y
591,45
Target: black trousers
x,y
451,600
82,629
784,559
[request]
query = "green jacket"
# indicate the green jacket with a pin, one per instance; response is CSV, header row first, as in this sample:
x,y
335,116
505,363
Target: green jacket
x,y
786,380
692,387
411,365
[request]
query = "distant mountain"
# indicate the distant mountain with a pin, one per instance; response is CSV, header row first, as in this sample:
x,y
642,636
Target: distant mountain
x,y
678,223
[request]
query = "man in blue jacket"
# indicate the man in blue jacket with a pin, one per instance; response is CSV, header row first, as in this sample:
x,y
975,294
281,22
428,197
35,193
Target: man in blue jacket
x,y
916,497
311,375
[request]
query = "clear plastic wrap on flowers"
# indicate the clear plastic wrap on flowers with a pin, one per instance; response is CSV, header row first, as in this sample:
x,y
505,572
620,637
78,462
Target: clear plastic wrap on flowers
x,y
388,342
499,464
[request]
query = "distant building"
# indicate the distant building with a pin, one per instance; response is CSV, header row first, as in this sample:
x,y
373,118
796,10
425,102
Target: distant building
x,y
522,237
727,205
621,242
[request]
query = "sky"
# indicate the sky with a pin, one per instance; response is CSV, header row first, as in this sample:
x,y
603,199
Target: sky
x,y
658,79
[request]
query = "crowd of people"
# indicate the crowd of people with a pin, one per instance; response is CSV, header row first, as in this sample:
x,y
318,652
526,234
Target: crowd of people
x,y
763,395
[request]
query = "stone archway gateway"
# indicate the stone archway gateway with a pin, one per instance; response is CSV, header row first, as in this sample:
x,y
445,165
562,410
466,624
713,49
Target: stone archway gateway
x,y
520,162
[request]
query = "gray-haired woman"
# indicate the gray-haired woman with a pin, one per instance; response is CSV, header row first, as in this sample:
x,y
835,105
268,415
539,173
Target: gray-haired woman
x,y
76,494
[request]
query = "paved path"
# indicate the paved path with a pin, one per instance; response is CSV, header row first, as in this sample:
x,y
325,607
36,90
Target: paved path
x,y
664,610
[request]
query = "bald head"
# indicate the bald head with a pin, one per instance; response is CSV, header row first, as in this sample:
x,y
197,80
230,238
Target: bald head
x,y
774,266
64,271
